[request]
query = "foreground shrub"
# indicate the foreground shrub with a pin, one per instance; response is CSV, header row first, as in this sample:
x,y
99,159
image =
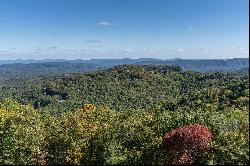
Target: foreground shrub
x,y
187,145
102,136
21,134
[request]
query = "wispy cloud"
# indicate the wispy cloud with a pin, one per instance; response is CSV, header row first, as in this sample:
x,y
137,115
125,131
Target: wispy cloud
x,y
33,52
190,28
53,48
3,52
95,41
231,46
153,40
87,50
126,50
104,24
84,49
40,49
180,50
206,50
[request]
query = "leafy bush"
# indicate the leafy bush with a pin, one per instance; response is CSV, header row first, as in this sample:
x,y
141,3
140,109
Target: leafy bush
x,y
21,134
183,145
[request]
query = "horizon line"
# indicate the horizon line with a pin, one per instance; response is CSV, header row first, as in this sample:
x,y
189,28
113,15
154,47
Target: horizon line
x,y
31,59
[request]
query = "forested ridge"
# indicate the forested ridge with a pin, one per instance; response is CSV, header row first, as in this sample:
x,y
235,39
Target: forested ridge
x,y
119,115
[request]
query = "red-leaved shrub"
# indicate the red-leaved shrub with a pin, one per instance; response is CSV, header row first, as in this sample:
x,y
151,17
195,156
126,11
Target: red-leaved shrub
x,y
187,145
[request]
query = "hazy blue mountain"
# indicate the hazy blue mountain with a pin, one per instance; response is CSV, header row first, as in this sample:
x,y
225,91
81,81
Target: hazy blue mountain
x,y
205,65
56,66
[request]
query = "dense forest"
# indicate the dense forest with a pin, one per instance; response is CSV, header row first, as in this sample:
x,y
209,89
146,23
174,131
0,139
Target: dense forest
x,y
120,114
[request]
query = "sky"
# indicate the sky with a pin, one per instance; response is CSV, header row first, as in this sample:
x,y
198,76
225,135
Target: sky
x,y
93,29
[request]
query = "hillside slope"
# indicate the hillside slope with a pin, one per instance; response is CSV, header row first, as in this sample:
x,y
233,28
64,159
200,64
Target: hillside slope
x,y
129,86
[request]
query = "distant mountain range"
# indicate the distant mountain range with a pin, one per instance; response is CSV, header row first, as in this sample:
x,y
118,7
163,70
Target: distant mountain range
x,y
32,66
105,62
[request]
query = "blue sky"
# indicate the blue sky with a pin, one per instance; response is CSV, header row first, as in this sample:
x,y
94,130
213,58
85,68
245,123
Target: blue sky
x,y
85,29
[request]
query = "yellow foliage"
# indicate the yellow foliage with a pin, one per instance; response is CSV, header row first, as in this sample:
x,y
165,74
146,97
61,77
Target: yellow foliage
x,y
74,156
89,107
83,127
22,133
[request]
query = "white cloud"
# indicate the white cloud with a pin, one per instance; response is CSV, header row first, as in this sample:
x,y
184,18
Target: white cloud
x,y
126,50
33,52
84,49
95,41
104,24
206,50
39,49
231,46
190,28
153,40
180,49
69,49
88,50
53,48
3,52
